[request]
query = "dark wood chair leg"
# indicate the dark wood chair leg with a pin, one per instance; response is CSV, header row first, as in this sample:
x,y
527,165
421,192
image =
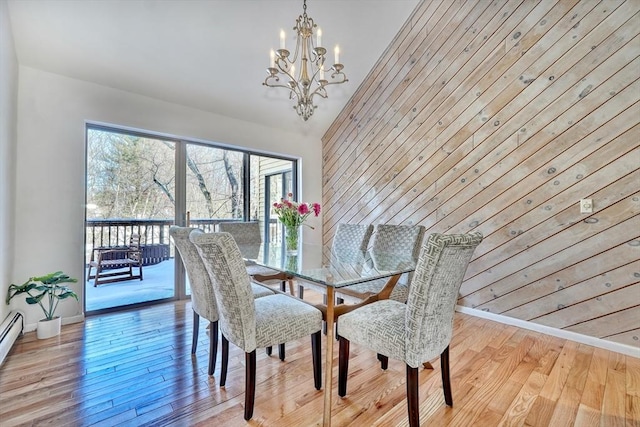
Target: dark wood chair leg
x,y
281,351
213,346
283,286
384,361
446,380
300,291
316,355
339,300
196,331
269,350
343,366
225,361
250,384
413,404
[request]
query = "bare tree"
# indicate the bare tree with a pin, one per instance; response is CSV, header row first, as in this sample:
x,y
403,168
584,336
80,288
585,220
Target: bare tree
x,y
131,176
236,212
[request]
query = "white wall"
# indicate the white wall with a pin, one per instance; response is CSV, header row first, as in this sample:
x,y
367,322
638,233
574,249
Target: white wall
x,y
52,111
8,138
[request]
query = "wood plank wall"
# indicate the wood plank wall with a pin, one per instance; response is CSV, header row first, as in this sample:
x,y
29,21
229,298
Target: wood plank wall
x,y
499,117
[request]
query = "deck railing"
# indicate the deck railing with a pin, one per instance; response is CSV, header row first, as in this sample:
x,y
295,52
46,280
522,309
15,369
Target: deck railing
x,y
154,235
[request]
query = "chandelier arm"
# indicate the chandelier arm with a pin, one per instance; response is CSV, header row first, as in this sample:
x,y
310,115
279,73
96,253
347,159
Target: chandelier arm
x,y
320,90
308,62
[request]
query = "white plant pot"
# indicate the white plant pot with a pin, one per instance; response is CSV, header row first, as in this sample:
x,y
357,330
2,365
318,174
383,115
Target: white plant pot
x,y
48,328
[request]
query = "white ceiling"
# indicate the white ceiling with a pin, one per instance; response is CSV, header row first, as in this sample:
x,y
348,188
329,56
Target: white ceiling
x,y
207,54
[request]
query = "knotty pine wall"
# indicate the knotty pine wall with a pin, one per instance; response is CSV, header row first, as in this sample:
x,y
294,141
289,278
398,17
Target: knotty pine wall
x,y
499,117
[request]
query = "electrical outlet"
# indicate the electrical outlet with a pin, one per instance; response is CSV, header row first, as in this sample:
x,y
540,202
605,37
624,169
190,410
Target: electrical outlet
x,y
586,206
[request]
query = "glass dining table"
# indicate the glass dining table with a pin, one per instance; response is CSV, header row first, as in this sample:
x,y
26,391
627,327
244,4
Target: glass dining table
x,y
329,270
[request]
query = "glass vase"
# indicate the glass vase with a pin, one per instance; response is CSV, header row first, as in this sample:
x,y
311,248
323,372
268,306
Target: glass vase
x,y
291,235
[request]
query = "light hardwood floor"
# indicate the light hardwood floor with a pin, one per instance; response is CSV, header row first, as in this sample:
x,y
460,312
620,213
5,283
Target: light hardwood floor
x,y
135,368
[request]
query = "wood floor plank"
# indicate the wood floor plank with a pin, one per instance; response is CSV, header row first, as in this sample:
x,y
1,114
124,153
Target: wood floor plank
x,y
110,371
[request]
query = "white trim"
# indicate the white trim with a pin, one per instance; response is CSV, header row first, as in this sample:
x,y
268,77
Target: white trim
x,y
560,333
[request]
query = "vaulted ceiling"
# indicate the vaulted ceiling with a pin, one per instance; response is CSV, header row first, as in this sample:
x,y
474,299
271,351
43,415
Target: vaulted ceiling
x,y
207,54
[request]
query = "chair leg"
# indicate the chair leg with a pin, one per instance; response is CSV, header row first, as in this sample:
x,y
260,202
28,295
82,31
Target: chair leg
x,y
225,361
412,397
446,379
269,350
250,384
343,366
300,291
384,361
213,346
281,351
196,331
316,354
283,286
95,279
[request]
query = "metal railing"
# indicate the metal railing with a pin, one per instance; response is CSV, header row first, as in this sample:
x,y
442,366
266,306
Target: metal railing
x,y
154,234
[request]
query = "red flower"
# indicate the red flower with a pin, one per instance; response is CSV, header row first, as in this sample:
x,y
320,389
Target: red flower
x,y
303,209
294,214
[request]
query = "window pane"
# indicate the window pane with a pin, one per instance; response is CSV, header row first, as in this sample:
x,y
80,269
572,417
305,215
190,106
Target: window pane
x,y
214,183
271,180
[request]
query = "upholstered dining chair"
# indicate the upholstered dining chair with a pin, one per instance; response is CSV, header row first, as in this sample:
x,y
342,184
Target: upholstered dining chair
x,y
249,239
422,328
203,301
251,323
347,240
404,240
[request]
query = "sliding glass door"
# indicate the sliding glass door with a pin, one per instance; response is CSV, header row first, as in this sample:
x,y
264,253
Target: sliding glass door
x,y
130,192
140,184
214,187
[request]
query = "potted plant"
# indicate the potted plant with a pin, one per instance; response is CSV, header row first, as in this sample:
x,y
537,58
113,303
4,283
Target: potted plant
x,y
46,291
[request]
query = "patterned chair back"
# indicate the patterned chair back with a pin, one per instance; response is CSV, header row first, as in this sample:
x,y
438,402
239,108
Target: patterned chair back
x,y
441,267
352,237
231,285
203,299
398,239
246,234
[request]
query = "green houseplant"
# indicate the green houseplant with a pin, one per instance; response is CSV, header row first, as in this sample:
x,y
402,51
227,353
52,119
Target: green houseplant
x,y
46,291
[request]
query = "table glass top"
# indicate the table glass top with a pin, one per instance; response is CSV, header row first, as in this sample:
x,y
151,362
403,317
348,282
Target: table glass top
x,y
329,267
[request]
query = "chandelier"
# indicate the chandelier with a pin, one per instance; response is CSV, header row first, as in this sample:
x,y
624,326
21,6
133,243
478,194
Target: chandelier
x,y
304,72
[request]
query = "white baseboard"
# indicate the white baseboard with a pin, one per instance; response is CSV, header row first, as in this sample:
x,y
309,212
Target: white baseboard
x,y
65,321
560,333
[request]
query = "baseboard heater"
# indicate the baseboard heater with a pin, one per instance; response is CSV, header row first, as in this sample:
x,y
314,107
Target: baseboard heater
x,y
10,330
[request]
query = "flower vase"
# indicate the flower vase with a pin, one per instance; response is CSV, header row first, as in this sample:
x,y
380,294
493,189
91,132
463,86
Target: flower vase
x,y
291,263
291,234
